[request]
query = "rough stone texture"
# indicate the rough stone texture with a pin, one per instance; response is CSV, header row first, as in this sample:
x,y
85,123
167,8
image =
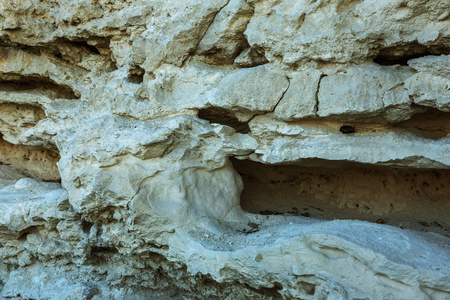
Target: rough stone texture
x,y
224,149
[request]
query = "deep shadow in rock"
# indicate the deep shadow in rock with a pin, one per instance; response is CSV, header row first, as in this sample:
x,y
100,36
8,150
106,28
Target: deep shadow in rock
x,y
431,124
399,55
224,117
36,84
136,75
406,198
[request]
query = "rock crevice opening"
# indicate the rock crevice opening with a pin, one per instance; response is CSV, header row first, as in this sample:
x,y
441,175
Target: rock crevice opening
x,y
407,198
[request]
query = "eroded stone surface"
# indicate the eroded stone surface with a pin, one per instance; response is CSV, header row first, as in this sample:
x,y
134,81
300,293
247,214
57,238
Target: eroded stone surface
x,y
158,149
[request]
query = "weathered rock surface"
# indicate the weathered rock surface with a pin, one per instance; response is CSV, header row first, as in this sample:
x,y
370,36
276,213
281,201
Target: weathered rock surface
x,y
224,149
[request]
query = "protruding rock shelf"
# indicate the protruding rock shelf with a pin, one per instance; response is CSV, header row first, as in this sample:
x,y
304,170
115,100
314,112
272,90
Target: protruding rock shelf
x,y
224,149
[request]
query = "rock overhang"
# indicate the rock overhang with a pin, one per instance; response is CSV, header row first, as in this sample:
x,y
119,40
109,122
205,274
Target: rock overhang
x,y
172,124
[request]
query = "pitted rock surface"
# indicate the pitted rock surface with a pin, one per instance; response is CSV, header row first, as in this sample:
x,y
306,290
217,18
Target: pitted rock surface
x,y
224,149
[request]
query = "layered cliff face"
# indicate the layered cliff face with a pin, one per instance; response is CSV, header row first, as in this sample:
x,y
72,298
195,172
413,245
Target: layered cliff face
x,y
226,149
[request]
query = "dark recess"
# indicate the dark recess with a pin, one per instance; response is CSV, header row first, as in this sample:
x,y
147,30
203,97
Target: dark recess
x,y
346,129
136,75
54,181
273,293
66,49
105,250
5,42
37,84
24,233
430,124
85,44
399,55
382,195
224,117
86,226
309,288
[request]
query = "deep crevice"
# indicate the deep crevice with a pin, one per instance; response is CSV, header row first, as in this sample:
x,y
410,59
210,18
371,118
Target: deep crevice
x,y
67,50
220,57
103,250
406,198
316,96
399,55
308,288
224,117
84,44
71,50
5,42
431,124
12,82
251,57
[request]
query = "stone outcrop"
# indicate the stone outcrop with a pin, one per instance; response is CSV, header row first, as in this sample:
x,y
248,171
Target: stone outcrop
x,y
224,149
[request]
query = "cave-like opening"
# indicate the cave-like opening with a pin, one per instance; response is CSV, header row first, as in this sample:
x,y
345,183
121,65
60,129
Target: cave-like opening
x,y
406,198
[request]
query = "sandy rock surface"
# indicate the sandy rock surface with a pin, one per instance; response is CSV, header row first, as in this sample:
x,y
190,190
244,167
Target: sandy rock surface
x,y
224,149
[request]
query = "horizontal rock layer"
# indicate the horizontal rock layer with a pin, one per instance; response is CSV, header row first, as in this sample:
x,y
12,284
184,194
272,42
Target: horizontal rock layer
x,y
227,149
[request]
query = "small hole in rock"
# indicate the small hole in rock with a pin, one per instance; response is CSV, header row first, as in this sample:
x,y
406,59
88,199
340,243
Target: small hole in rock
x,y
346,129
136,75
86,226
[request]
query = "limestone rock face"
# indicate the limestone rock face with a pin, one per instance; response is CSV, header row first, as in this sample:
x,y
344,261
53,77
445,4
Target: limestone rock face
x,y
224,149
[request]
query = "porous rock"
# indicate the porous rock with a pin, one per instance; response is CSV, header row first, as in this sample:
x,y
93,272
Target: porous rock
x,y
233,149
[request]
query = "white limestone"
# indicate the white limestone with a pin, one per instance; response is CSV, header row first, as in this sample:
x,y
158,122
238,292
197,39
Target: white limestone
x,y
127,128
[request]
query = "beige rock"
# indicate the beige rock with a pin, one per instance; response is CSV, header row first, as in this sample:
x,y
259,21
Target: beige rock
x,y
17,64
16,118
167,40
320,145
346,31
224,38
251,57
431,86
300,100
224,149
437,65
39,164
252,90
366,92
